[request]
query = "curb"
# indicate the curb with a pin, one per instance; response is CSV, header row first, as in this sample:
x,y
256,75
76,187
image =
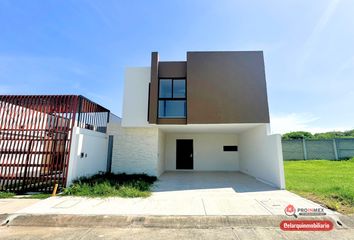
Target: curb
x,y
348,220
4,219
199,222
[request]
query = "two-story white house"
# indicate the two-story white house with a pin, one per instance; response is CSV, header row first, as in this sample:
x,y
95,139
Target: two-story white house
x,y
208,113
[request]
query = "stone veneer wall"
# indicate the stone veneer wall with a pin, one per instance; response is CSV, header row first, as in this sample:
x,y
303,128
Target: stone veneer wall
x,y
135,150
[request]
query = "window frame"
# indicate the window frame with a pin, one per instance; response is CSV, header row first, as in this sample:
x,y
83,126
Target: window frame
x,y
172,98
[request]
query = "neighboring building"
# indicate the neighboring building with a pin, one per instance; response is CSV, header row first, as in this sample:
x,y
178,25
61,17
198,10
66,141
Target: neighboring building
x,y
209,113
50,139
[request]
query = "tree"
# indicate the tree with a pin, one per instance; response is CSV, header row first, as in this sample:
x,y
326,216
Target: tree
x,y
329,135
325,135
349,133
297,135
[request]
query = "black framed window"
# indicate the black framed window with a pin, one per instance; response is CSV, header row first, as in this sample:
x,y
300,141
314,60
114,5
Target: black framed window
x,y
172,98
165,88
179,89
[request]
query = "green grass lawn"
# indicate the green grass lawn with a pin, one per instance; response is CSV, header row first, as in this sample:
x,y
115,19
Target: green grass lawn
x,y
102,185
328,182
112,185
4,194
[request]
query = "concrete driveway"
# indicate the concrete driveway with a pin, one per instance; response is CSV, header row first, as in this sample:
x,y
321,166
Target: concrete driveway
x,y
201,182
185,193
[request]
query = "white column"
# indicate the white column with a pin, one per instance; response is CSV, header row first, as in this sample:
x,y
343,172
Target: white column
x,y
335,149
304,148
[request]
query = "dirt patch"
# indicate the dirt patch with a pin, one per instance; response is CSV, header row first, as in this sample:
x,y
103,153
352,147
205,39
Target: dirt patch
x,y
334,204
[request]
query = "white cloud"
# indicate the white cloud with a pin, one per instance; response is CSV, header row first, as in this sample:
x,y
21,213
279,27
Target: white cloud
x,y
316,32
283,123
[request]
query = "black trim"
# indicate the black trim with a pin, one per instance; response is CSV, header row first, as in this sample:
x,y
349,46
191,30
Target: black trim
x,y
148,114
171,98
172,88
79,111
230,148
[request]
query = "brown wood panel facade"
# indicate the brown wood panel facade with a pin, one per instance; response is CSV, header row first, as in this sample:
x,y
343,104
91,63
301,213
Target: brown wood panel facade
x,y
226,87
154,88
221,87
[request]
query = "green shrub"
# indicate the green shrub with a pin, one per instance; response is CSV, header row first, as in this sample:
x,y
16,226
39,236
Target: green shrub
x,y
110,185
4,194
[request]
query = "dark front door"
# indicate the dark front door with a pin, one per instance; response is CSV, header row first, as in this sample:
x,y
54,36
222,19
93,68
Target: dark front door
x,y
184,154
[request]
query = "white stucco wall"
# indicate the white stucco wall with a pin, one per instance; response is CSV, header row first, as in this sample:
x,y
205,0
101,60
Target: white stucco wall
x,y
208,151
94,145
261,155
136,97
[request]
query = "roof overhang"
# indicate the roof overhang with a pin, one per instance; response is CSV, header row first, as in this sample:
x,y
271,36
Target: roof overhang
x,y
209,128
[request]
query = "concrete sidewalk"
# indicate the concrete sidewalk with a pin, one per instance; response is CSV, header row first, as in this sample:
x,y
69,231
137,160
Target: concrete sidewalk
x,y
12,205
194,202
186,193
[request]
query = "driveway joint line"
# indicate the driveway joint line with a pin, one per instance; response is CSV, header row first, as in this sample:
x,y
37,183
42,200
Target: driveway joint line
x,y
205,212
263,206
235,234
84,234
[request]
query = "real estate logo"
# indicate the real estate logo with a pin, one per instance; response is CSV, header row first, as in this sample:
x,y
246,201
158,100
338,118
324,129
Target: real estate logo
x,y
306,225
290,210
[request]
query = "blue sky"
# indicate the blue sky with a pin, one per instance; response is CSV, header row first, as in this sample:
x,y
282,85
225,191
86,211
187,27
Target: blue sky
x,y
82,47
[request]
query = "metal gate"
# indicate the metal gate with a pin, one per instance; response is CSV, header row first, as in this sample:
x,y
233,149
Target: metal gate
x,y
35,139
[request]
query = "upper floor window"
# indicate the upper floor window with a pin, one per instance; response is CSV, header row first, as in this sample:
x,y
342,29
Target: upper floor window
x,y
172,98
